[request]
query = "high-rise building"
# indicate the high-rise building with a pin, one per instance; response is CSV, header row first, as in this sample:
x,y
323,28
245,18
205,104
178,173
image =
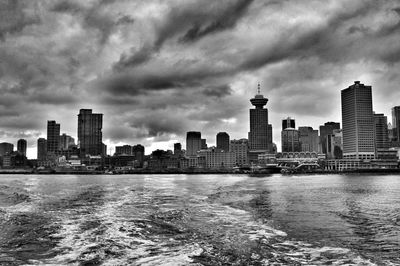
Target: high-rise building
x,y
240,148
177,149
66,142
123,150
204,145
358,122
41,149
138,152
6,148
396,123
381,132
288,122
53,136
193,143
258,134
223,141
334,145
309,139
90,136
326,129
21,146
290,140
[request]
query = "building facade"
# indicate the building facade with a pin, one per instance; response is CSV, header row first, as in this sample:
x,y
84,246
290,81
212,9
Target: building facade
x,y
66,142
21,146
358,122
324,130
6,148
217,159
288,123
290,138
240,148
309,139
41,149
381,132
396,123
193,143
90,136
223,141
53,136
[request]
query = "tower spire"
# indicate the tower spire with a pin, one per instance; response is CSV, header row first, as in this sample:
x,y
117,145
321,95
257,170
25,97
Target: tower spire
x,y
258,88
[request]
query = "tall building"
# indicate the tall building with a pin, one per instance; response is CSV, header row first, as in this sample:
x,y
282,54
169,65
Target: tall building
x,y
381,132
193,143
290,139
240,148
204,144
326,129
6,148
223,141
334,145
396,123
358,122
53,136
66,142
309,139
138,152
41,149
288,122
258,135
177,149
90,136
21,146
123,150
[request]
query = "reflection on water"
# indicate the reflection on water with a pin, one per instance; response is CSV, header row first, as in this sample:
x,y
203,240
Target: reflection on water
x,y
199,220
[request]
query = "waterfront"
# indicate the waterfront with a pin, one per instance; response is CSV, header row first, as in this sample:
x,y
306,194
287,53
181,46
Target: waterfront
x,y
199,219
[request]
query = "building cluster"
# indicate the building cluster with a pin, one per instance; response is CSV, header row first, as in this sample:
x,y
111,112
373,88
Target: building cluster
x,y
365,140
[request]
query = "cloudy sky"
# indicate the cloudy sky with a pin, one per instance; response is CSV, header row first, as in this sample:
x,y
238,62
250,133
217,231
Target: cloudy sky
x,y
157,69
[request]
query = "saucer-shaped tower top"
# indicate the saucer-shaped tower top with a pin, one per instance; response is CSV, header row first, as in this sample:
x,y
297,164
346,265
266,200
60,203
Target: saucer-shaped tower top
x,y
259,101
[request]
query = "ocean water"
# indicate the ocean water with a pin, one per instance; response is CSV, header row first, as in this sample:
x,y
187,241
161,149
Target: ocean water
x,y
199,220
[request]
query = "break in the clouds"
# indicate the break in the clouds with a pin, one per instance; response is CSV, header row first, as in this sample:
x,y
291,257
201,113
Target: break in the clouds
x,y
157,69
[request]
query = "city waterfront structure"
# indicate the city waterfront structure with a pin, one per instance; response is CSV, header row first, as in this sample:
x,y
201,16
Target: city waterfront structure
x,y
53,136
290,138
309,139
381,132
288,123
223,141
21,146
325,130
178,149
90,136
66,142
334,145
216,158
358,122
240,148
193,143
6,148
41,149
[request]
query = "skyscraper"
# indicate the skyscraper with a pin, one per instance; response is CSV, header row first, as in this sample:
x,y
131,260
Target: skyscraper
x,y
41,149
6,148
381,132
258,135
21,146
290,140
90,136
396,123
288,122
138,152
309,139
358,122
325,130
177,149
193,143
53,136
223,141
66,141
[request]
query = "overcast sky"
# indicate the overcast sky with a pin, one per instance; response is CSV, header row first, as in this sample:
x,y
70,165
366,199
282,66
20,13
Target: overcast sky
x,y
157,69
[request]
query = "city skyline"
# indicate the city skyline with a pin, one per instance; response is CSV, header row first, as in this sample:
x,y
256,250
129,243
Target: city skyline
x,y
158,70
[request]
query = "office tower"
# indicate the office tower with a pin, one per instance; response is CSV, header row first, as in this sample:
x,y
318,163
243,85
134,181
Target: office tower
x,y
258,135
290,140
90,136
288,123
177,149
358,122
21,146
53,136
334,145
327,129
138,152
309,139
396,123
240,148
6,148
203,144
193,143
66,142
123,150
269,135
41,149
223,141
381,132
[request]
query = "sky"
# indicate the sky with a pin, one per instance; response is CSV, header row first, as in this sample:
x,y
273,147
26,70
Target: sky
x,y
157,69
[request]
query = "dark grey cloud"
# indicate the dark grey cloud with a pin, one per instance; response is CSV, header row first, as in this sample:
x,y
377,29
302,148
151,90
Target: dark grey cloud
x,y
218,91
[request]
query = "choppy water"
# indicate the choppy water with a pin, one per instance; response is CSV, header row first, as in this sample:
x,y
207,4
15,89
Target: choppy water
x,y
200,220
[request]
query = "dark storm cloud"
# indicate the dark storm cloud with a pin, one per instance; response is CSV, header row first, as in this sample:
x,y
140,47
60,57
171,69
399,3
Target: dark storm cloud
x,y
218,91
136,57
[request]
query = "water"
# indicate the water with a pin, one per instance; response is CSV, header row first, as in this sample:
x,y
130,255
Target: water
x,y
200,220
